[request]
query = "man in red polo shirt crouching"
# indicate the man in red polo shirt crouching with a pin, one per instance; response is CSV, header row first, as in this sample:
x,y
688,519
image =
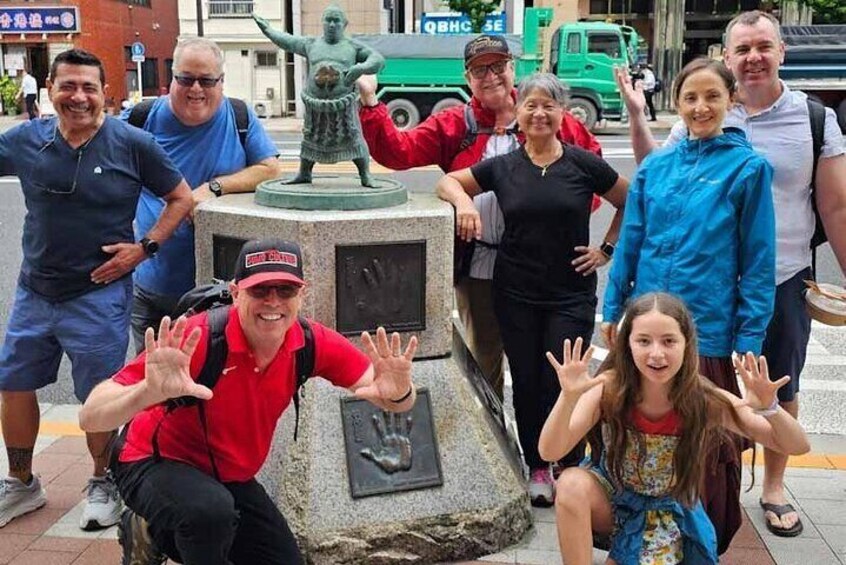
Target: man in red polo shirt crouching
x,y
188,475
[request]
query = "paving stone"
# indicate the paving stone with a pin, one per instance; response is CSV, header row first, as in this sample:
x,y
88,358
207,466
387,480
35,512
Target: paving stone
x,y
825,512
100,552
11,544
67,545
801,551
835,536
30,557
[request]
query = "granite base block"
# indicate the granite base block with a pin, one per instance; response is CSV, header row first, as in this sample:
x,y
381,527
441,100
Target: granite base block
x,y
320,234
481,508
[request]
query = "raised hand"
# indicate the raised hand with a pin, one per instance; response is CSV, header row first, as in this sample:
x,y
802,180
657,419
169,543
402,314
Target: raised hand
x,y
168,362
262,23
367,85
573,373
760,392
632,95
391,367
394,451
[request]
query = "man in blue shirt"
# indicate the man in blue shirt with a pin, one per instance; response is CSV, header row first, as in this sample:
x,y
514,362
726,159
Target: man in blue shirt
x,y
196,125
81,174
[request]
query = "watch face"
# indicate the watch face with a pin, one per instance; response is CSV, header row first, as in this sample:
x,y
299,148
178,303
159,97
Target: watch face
x,y
151,247
215,187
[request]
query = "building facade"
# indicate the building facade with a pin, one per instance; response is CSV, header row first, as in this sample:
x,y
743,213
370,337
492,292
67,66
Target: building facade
x,y
33,32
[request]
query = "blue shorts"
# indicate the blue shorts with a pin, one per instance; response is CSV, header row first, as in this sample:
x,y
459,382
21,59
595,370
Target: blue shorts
x,y
787,336
92,329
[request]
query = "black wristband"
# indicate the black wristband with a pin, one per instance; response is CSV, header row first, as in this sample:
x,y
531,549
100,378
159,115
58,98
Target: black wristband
x,y
404,397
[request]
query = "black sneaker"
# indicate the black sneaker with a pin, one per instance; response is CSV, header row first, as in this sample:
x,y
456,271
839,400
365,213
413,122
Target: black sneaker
x,y
138,547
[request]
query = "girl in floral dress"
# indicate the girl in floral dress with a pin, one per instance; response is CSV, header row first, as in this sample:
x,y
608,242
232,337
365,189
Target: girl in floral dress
x,y
655,413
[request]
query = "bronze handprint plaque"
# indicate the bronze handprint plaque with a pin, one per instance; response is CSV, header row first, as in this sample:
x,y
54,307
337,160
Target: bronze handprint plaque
x,y
381,285
388,452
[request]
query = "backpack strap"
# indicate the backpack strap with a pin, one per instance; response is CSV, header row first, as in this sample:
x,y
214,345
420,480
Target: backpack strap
x,y
816,114
216,353
304,368
242,119
138,114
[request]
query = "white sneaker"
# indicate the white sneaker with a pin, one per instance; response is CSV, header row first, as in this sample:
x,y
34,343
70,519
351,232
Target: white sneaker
x,y
17,498
541,487
102,506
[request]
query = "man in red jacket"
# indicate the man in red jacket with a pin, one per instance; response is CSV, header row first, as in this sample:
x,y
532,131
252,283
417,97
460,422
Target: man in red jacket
x,y
450,140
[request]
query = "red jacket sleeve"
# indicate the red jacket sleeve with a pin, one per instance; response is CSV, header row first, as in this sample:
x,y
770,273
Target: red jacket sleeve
x,y
573,131
434,142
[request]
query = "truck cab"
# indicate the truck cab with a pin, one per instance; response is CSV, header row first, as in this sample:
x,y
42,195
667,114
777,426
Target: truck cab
x,y
583,55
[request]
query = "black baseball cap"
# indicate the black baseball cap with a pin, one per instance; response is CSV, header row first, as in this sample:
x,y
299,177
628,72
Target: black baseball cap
x,y
269,260
485,45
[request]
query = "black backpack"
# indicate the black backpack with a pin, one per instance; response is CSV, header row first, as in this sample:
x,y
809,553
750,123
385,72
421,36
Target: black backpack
x,y
216,299
138,116
816,113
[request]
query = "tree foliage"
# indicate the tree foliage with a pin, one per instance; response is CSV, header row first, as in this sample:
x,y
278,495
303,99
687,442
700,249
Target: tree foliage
x,y
476,10
827,11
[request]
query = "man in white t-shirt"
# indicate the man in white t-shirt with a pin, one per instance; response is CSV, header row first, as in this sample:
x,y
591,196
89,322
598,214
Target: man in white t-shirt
x,y
29,92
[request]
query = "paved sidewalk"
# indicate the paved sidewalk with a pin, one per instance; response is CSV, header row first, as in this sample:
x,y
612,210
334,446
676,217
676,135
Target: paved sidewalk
x,y
816,484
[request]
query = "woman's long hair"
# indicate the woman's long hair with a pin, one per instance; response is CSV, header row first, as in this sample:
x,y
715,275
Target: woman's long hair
x,y
695,399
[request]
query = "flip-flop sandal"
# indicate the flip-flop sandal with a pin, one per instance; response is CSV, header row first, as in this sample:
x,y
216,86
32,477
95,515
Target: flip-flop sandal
x,y
780,510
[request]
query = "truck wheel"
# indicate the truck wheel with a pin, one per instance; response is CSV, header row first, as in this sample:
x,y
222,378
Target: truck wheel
x,y
446,103
841,115
584,111
404,113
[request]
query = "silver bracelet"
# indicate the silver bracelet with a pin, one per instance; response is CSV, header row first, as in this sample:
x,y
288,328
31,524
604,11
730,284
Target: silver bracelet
x,y
769,411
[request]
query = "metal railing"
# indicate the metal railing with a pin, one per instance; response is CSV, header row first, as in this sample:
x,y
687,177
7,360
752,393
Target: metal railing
x,y
230,8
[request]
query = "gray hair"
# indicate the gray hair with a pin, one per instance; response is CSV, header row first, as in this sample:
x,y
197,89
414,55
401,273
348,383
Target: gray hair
x,y
547,83
198,43
751,18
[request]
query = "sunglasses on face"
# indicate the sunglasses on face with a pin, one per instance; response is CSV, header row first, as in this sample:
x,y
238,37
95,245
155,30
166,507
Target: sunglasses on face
x,y
188,81
283,291
481,71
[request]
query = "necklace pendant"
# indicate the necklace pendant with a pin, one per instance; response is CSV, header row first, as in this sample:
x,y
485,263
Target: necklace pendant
x,y
543,171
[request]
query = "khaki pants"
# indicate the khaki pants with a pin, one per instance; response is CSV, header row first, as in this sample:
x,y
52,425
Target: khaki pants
x,y
474,299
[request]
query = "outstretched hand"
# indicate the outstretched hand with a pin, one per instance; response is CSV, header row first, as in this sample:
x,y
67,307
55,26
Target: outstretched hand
x,y
168,363
632,95
391,367
760,391
262,23
573,373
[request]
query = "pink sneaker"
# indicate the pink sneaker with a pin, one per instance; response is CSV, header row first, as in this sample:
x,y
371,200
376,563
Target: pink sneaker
x,y
541,487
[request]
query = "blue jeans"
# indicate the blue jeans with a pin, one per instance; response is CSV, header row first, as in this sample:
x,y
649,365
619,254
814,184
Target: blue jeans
x,y
91,329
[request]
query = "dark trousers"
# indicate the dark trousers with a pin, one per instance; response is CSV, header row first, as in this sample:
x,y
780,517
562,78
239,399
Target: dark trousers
x,y
649,105
30,106
721,484
528,332
148,309
196,520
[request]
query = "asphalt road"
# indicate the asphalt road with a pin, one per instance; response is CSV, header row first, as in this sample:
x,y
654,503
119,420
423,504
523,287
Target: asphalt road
x,y
617,150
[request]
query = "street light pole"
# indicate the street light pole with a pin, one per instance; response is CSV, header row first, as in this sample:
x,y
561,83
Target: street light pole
x,y
199,18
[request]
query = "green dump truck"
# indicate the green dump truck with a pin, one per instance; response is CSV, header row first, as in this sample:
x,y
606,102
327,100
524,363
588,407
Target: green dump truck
x,y
424,74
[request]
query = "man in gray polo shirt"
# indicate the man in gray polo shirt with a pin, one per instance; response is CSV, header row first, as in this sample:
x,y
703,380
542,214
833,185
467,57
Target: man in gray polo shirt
x,y
776,121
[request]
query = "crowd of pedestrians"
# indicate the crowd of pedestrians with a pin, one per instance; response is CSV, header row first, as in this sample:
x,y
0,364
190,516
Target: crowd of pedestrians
x,y
707,249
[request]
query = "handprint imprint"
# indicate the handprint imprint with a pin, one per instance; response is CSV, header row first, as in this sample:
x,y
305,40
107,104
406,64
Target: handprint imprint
x,y
394,451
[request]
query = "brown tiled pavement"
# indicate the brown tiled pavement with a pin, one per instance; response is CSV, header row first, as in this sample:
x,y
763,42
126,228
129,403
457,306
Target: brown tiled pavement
x,y
64,468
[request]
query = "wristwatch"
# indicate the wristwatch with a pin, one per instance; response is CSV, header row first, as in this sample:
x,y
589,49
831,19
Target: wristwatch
x,y
215,187
150,246
607,248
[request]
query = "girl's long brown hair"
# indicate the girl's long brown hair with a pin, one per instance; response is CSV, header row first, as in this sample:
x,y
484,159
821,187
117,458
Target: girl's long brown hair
x,y
695,399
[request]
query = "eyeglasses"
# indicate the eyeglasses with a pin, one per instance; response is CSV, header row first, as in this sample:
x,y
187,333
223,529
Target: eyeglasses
x,y
57,185
481,71
283,291
188,81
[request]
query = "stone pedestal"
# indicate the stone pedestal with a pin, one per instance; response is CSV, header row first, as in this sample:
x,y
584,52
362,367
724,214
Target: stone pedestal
x,y
363,265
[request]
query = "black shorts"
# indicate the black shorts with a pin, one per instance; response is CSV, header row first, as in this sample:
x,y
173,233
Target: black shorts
x,y
786,342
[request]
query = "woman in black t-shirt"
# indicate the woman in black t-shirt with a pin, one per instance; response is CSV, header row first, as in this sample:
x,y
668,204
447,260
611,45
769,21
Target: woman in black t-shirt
x,y
545,272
